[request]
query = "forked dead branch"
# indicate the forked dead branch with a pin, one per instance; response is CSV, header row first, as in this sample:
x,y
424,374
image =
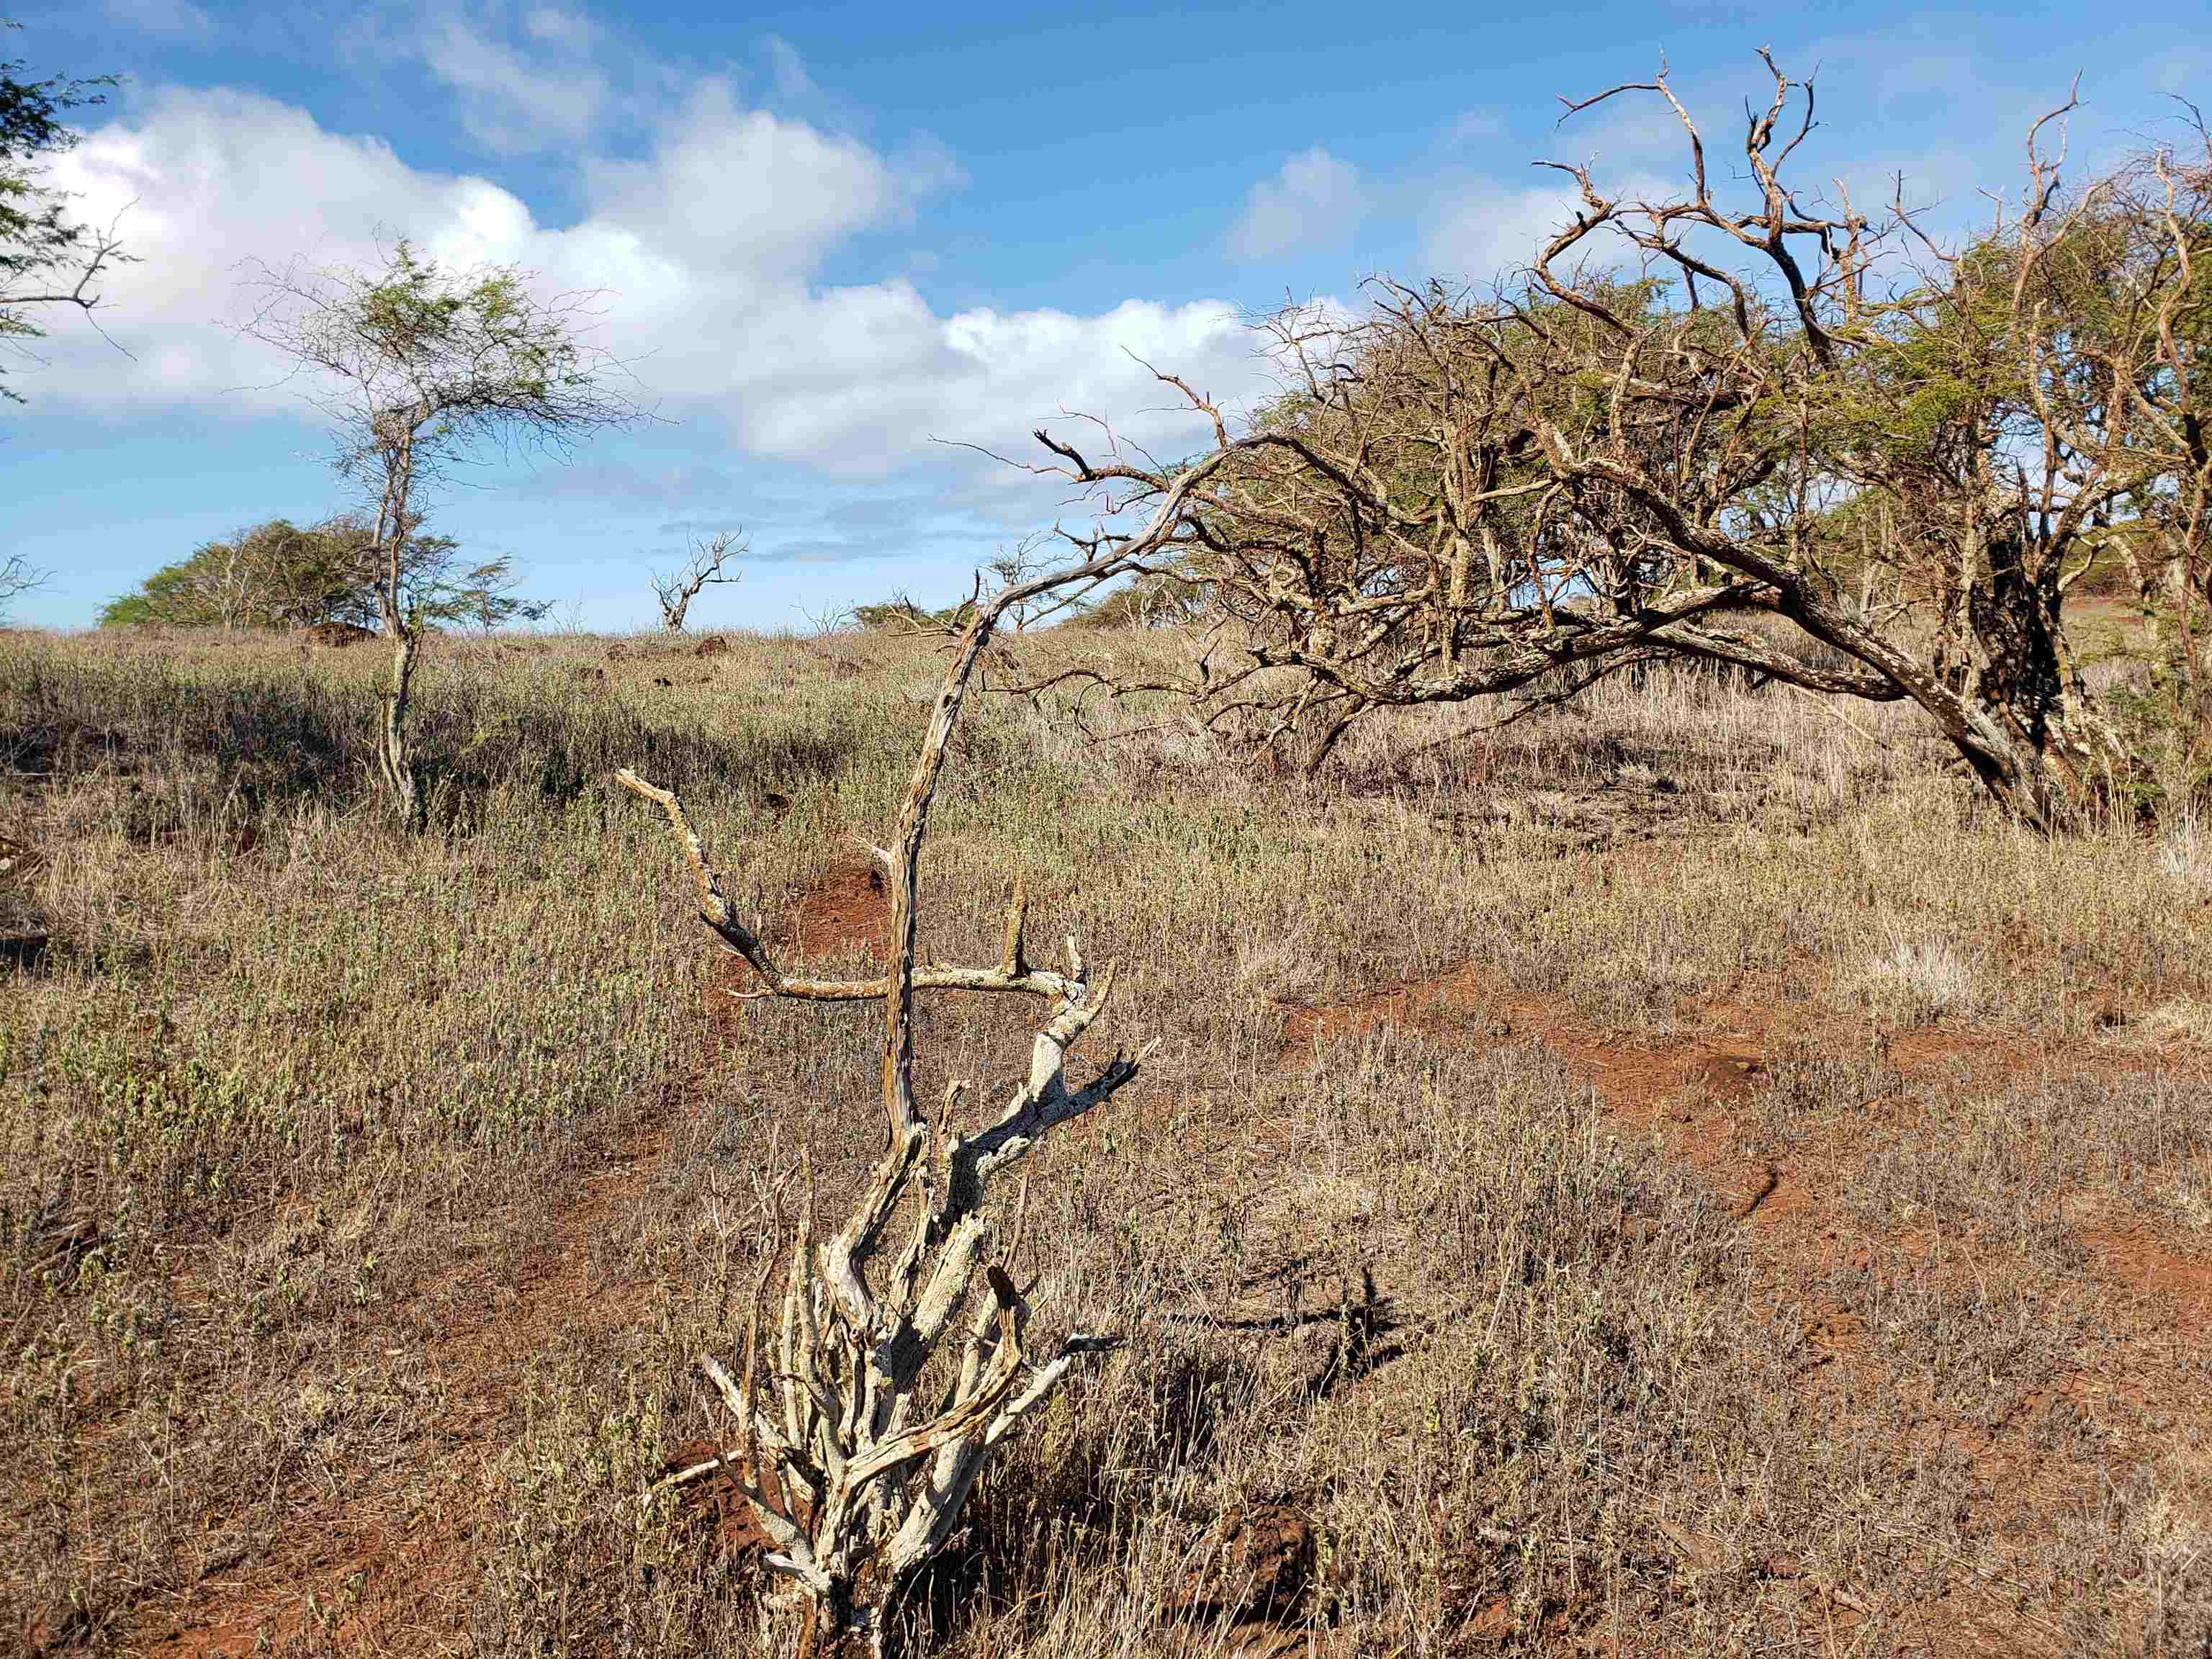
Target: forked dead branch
x,y
854,1449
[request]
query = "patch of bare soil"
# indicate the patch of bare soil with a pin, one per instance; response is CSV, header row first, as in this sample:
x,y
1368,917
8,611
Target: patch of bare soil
x,y
373,1569
2132,1254
1254,1567
391,1564
845,912
2143,1358
337,634
717,1502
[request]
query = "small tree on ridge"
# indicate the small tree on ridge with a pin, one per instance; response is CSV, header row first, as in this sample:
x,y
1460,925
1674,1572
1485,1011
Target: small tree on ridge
x,y
677,588
420,366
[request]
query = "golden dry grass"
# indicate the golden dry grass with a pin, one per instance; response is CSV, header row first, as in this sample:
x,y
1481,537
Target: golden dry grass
x,y
1678,1178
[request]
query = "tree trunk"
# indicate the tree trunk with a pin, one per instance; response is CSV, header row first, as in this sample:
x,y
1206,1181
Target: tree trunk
x,y
393,760
2013,704
2007,694
2065,752
836,1628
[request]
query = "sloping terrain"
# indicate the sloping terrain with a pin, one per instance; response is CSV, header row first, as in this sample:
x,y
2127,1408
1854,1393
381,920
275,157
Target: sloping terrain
x,y
1682,1179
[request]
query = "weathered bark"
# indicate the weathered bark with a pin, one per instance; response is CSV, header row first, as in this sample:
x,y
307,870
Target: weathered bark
x,y
2059,755
677,588
869,1476
395,762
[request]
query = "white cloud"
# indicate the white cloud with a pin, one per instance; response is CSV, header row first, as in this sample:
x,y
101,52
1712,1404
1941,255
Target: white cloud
x,y
205,180
1485,230
707,252
1641,130
742,187
522,94
1488,231
1476,126
1314,199
788,74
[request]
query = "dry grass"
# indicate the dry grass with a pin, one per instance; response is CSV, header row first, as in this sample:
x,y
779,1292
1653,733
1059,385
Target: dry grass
x,y
362,1203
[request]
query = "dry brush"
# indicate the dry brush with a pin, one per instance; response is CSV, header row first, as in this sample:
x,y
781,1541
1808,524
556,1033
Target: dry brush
x,y
1735,409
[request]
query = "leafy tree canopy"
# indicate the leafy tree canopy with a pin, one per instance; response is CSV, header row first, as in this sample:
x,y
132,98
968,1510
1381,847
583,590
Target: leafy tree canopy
x,y
46,258
278,575
901,612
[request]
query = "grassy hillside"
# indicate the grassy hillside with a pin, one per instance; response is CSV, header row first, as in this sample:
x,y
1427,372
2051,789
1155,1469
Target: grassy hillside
x,y
1680,1176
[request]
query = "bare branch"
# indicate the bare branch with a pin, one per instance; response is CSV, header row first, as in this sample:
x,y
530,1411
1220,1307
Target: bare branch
x,y
18,576
882,1479
676,588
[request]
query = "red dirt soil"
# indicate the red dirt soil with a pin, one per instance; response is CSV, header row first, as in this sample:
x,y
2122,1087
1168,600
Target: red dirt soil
x,y
1687,1090
845,912
717,1501
402,1584
405,1586
415,1580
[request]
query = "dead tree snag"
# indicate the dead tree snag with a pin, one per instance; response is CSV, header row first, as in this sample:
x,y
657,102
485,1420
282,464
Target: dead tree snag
x,y
856,1469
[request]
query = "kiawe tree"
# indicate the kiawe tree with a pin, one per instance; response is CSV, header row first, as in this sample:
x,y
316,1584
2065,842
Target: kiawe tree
x,y
422,369
1691,412
47,257
2156,232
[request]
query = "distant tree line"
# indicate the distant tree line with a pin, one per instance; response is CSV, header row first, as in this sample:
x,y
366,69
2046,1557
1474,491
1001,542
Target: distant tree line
x,y
280,574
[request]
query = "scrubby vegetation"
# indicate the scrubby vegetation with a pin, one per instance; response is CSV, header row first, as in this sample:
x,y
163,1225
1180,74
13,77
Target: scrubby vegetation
x,y
277,574
1722,406
1681,1175
1654,842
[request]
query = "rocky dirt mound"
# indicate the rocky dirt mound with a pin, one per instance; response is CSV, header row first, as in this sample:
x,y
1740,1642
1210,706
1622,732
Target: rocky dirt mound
x,y
336,635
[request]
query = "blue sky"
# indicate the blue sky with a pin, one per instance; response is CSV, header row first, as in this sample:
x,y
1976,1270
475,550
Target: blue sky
x,y
826,234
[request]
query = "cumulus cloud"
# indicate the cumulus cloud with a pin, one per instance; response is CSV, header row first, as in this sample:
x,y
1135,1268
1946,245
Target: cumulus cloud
x,y
736,187
201,179
707,252
1314,199
1483,230
519,84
